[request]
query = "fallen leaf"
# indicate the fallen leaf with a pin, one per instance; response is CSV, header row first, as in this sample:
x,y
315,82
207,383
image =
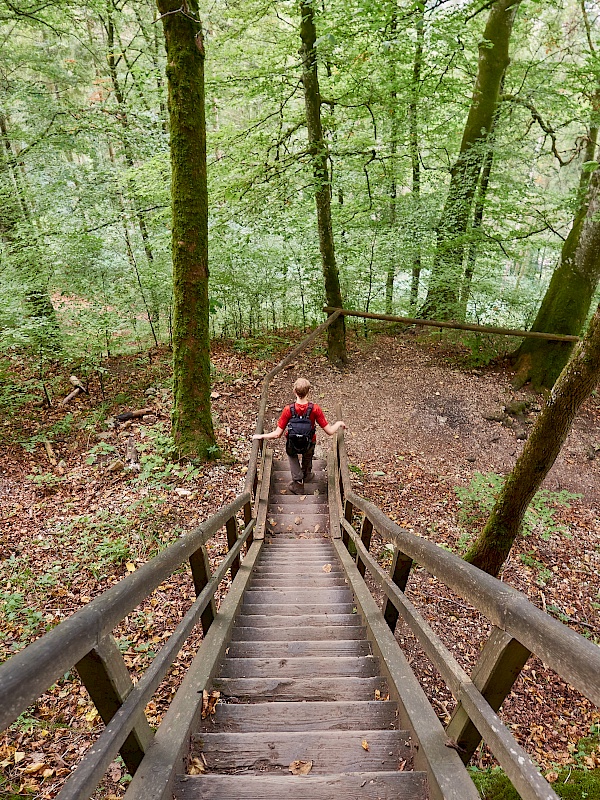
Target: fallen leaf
x,y
552,777
300,767
214,395
298,520
130,566
272,522
196,767
19,757
183,492
91,715
33,768
365,744
114,773
327,568
204,704
317,528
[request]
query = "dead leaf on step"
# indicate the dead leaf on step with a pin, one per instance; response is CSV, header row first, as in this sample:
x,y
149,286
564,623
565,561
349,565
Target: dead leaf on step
x,y
401,766
280,509
272,522
365,744
300,767
283,491
317,528
302,498
196,767
209,702
298,520
326,567
290,528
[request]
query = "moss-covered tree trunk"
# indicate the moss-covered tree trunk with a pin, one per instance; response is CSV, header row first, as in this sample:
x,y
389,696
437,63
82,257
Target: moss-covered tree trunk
x,y
575,383
336,333
192,421
567,301
443,300
415,156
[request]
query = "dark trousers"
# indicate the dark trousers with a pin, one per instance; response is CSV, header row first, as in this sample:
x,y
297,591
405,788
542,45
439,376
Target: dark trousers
x,y
300,469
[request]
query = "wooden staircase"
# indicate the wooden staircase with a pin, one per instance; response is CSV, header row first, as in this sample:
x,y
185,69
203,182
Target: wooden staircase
x,y
300,687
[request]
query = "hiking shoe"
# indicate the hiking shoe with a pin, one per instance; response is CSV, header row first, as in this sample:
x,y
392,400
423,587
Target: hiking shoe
x,y
310,476
296,487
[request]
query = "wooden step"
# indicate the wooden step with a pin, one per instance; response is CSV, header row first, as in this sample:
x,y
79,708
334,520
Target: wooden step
x,y
296,596
291,649
300,500
329,751
279,485
299,666
348,786
296,523
279,581
266,571
308,716
300,689
293,612
284,466
272,620
270,633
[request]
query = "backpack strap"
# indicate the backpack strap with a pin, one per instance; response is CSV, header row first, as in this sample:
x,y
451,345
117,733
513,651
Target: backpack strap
x,y
294,413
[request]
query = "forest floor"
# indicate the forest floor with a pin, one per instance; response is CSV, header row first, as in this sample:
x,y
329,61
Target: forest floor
x,y
428,433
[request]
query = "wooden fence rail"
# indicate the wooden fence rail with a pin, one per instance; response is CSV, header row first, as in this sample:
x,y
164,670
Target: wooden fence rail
x,y
519,629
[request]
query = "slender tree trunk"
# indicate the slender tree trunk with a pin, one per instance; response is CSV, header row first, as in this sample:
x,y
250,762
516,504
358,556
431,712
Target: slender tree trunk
x,y
415,160
336,333
192,420
391,269
24,247
446,276
575,383
567,301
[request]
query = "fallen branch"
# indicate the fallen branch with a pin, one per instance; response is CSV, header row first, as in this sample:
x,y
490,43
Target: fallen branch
x,y
133,414
70,396
50,452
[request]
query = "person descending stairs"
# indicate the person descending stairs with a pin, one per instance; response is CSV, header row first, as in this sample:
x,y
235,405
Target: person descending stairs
x,y
301,693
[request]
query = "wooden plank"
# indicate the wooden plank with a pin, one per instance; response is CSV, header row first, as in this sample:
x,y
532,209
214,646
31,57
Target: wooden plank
x,y
285,570
201,573
297,522
290,649
155,775
263,500
301,500
297,633
447,776
317,581
283,466
294,612
298,666
308,716
334,512
299,595
399,573
300,689
107,679
495,672
300,621
350,786
231,526
366,532
329,751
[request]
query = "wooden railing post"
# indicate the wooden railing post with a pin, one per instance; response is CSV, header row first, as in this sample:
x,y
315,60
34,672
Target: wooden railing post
x,y
399,572
201,572
247,521
106,677
494,674
366,532
348,516
232,535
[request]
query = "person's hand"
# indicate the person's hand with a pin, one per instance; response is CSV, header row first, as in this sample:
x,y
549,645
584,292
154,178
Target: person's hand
x,y
258,436
342,424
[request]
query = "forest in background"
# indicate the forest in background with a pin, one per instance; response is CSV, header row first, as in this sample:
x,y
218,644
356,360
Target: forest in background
x,y
85,177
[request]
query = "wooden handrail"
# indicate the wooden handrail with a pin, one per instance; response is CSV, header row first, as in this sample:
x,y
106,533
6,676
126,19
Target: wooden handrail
x,y
571,656
461,326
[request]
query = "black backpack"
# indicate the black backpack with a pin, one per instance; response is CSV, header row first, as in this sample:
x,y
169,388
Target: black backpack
x,y
300,431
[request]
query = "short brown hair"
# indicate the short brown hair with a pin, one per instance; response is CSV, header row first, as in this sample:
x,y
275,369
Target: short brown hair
x,y
302,387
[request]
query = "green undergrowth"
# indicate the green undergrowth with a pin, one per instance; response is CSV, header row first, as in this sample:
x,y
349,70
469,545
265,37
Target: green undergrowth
x,y
478,498
571,784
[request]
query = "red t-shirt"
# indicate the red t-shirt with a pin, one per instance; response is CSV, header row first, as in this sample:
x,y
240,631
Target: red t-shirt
x,y
316,415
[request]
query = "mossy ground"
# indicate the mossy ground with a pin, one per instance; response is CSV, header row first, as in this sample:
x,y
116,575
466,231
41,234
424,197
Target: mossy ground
x,y
576,784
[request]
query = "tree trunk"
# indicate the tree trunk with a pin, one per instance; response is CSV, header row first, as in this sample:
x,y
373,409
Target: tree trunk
x,y
336,333
415,160
566,303
578,379
443,299
192,421
24,248
391,268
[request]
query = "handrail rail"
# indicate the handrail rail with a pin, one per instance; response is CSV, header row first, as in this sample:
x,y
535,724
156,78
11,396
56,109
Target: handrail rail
x,y
571,656
257,443
28,673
